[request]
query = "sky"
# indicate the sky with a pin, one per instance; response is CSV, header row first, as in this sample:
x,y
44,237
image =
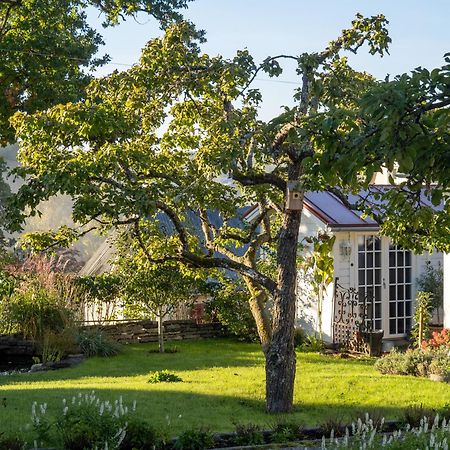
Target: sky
x,y
420,32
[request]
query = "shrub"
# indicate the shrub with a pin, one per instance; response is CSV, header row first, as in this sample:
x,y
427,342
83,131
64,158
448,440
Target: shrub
x,y
163,376
422,318
249,434
438,340
299,337
312,344
415,414
195,439
440,365
364,435
86,422
412,362
139,435
432,280
95,343
11,442
229,305
285,432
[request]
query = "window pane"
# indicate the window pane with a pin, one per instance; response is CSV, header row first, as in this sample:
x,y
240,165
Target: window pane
x,y
377,310
408,292
391,259
378,293
408,309
377,243
400,309
369,259
361,260
400,326
400,291
392,277
400,259
370,277
392,327
392,309
400,275
407,275
392,293
408,325
361,277
407,258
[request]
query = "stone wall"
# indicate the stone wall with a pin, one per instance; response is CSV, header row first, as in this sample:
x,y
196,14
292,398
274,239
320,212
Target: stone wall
x,y
147,330
14,346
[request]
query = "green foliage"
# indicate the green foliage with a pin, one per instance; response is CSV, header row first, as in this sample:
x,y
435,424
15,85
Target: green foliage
x,y
412,362
164,185
230,306
285,431
33,311
440,365
321,263
104,287
85,422
96,343
413,415
53,40
422,317
163,376
11,442
432,280
140,435
312,344
248,434
364,434
195,439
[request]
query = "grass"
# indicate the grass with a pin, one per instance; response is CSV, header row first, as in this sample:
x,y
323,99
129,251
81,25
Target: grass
x,y
223,384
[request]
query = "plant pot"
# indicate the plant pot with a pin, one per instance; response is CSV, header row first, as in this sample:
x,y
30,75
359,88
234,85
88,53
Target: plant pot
x,y
439,377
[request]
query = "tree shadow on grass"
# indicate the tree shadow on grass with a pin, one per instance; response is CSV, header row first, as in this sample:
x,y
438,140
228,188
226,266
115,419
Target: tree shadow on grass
x,y
140,359
174,411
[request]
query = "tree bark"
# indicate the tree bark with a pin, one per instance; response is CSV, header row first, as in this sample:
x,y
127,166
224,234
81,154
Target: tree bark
x,y
280,354
160,333
257,302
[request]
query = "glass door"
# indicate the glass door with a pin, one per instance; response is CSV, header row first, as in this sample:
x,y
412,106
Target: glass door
x,y
400,290
369,278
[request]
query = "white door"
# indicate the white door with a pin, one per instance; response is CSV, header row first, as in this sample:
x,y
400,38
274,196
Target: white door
x,y
384,273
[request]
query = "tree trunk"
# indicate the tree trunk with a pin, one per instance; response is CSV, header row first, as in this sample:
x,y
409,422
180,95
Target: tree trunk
x,y
280,354
160,333
257,303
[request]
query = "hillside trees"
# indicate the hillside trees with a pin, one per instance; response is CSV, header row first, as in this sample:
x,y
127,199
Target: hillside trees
x,y
174,151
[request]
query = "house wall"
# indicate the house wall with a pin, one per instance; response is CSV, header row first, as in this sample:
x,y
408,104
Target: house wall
x,y
306,310
437,261
345,270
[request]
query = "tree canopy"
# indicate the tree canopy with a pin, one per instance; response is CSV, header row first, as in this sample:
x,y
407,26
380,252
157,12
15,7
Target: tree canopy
x,y
174,150
48,49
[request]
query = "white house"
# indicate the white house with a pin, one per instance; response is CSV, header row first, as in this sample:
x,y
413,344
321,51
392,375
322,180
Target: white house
x,y
367,268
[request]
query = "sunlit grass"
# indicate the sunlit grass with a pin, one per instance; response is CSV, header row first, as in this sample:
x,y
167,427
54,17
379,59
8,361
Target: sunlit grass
x,y
223,383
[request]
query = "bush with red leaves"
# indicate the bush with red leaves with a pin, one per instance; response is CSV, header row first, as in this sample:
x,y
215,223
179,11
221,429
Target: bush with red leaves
x,y
438,340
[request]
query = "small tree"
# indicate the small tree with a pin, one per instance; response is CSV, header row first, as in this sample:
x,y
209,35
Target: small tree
x,y
153,290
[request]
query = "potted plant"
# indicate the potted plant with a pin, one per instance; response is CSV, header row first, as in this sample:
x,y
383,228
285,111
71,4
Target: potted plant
x,y
439,369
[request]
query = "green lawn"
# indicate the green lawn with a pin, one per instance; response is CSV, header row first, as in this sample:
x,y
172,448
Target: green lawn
x,y
223,384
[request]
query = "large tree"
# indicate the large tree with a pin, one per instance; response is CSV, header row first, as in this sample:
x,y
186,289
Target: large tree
x,y
173,149
47,49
